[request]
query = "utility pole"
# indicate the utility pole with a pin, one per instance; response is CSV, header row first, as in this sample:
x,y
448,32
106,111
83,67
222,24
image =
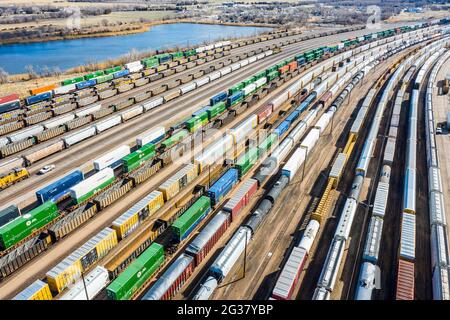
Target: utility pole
x,y
304,164
245,253
84,284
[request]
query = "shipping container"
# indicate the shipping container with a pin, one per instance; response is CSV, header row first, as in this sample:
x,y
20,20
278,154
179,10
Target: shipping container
x,y
185,224
59,187
26,224
8,214
222,186
136,274
112,159
92,185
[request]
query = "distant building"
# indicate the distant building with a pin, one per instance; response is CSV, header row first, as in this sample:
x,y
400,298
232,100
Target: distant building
x,y
414,10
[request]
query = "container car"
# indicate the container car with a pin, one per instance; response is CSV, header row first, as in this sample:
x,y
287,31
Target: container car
x,y
92,185
112,159
222,186
59,187
185,224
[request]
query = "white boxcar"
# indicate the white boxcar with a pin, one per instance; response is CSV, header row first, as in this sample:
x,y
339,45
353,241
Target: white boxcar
x,y
64,89
310,140
153,103
439,246
249,89
214,75
131,112
309,235
188,87
231,253
346,219
408,237
111,157
151,136
56,122
79,136
91,184
88,110
202,81
436,207
225,71
294,163
94,282
206,289
215,152
108,123
280,99
297,132
373,240
244,128
323,122
282,150
26,133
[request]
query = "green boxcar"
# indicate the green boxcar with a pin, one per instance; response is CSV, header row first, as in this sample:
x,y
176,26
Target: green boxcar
x,y
193,124
184,225
259,75
102,186
216,109
247,161
177,137
267,143
190,53
134,276
112,70
236,88
273,75
72,81
137,158
271,69
105,78
21,227
248,81
94,75
177,55
309,57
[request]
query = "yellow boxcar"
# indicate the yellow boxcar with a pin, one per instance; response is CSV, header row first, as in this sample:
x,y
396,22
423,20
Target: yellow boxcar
x,y
38,290
179,180
69,270
13,177
130,220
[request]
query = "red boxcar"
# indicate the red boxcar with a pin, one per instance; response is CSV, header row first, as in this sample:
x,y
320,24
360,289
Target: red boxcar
x,y
289,274
241,198
208,237
405,280
293,65
264,112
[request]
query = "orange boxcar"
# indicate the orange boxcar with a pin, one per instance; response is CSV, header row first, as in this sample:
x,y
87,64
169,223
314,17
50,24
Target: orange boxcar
x,y
43,89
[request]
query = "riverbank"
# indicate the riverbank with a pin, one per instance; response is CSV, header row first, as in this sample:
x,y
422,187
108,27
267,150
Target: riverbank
x,y
136,28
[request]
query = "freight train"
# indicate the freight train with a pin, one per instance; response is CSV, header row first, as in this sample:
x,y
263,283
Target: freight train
x,y
210,152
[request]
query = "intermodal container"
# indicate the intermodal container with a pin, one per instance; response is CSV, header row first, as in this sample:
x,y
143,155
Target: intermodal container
x,y
60,186
175,138
42,89
151,136
246,161
24,225
9,103
37,98
92,185
185,224
220,97
222,186
8,214
138,157
136,274
112,159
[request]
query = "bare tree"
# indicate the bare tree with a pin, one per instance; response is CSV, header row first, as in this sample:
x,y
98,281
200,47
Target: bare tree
x,y
31,72
3,76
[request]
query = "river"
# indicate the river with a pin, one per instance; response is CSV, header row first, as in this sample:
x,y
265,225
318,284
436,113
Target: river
x,y
66,54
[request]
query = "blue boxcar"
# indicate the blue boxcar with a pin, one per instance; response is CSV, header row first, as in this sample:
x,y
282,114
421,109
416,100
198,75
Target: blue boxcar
x,y
282,128
165,59
59,187
311,97
231,99
294,115
86,84
200,111
222,186
301,61
38,98
10,106
218,98
121,73
302,107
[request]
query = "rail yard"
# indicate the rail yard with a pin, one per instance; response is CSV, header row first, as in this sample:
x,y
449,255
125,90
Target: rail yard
x,y
286,166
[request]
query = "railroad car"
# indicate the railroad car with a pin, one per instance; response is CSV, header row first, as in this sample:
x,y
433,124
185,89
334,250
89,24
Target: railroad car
x,y
138,157
185,224
59,188
25,225
38,290
222,186
92,185
9,103
12,177
70,269
172,279
8,214
89,287
136,274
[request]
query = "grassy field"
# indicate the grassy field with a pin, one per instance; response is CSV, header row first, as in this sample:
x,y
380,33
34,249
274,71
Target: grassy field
x,y
408,16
